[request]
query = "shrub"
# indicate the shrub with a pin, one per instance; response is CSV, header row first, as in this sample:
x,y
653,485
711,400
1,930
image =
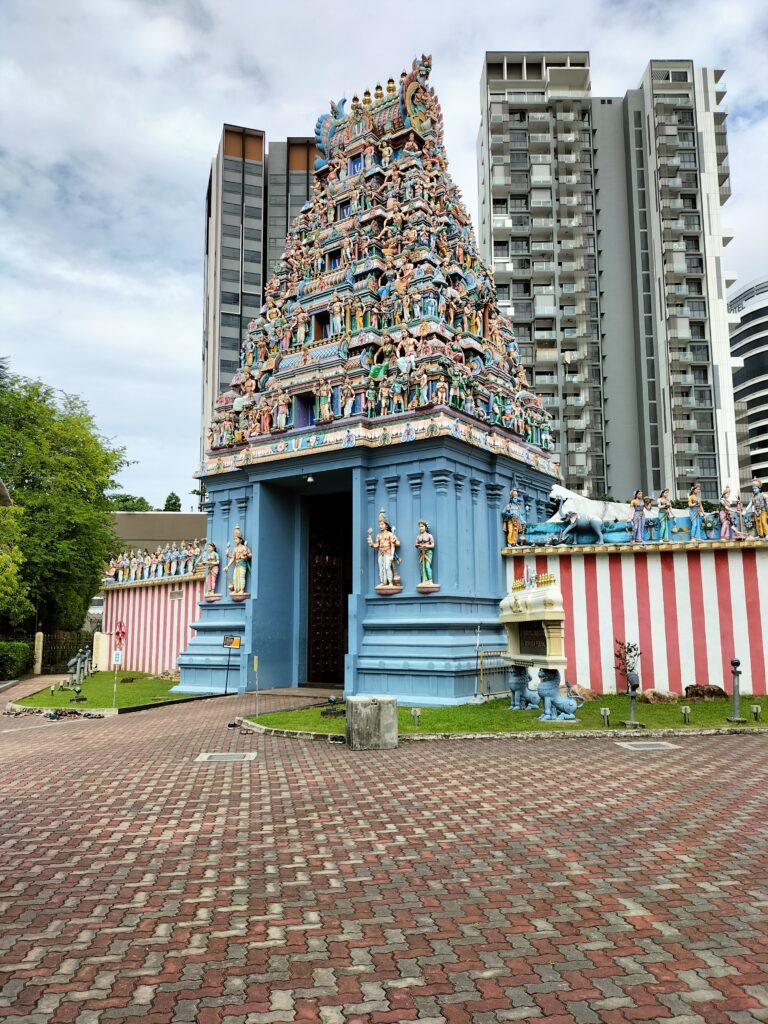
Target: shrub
x,y
15,658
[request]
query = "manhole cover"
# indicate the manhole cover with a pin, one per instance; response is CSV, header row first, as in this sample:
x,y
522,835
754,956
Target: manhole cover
x,y
237,756
648,746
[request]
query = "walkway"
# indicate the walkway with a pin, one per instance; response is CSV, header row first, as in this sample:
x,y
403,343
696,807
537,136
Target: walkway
x,y
443,882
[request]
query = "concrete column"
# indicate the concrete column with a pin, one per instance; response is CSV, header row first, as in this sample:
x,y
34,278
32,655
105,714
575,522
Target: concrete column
x,y
38,660
100,652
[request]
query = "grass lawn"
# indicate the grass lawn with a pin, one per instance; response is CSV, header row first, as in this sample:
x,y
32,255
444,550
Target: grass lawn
x,y
99,689
494,716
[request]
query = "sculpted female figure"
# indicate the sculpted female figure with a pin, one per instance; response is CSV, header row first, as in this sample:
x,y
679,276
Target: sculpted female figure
x,y
724,514
665,515
212,564
240,558
695,512
638,518
425,545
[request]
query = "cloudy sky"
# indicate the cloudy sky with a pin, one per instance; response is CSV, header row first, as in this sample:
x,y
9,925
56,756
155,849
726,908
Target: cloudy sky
x,y
112,110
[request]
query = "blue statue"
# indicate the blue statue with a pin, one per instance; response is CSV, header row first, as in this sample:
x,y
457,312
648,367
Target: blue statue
x,y
520,696
556,708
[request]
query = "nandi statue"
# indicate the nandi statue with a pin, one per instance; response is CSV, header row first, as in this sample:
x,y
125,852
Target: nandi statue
x,y
556,707
520,696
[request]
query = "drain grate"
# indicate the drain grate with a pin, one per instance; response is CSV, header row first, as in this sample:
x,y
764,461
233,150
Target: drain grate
x,y
235,756
649,745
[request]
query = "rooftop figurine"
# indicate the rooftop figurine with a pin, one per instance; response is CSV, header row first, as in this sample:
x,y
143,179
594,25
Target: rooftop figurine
x,y
380,306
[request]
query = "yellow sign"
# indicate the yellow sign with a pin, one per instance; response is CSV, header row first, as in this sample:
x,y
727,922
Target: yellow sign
x,y
232,641
255,663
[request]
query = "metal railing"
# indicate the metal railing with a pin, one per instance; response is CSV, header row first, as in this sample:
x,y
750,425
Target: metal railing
x,y
492,672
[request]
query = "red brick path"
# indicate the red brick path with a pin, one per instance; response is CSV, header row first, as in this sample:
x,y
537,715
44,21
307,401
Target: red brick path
x,y
446,882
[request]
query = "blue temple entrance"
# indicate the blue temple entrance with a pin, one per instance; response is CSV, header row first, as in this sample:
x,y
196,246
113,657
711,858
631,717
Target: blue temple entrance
x,y
329,584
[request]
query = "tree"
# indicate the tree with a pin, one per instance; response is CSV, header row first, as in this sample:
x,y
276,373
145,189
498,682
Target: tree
x,y
128,503
15,606
58,469
172,503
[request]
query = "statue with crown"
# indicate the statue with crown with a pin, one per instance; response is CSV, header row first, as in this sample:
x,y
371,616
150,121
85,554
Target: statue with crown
x,y
380,374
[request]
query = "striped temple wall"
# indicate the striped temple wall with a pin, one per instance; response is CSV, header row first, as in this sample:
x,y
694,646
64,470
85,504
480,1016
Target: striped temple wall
x,y
690,611
157,616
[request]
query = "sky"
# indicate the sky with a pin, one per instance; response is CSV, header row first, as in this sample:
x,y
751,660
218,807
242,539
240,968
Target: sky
x,y
113,110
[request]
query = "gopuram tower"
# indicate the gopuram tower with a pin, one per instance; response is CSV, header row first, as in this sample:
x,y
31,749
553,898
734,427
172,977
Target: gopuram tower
x,y
379,393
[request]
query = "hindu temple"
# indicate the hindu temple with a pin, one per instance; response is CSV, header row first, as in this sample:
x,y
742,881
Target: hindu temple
x,y
357,467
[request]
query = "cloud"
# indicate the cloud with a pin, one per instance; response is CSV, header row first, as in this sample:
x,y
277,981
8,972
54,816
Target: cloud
x,y
114,110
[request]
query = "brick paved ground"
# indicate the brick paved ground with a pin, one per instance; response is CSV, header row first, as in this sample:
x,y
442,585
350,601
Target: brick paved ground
x,y
447,882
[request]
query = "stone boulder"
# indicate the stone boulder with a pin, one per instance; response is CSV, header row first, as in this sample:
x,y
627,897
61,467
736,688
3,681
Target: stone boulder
x,y
697,692
657,697
584,692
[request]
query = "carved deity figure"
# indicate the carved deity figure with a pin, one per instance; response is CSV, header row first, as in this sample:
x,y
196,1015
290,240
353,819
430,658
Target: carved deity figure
x,y
512,519
239,563
212,562
425,545
385,544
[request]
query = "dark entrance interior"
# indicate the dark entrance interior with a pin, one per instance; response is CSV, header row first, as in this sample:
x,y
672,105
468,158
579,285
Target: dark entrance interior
x,y
330,583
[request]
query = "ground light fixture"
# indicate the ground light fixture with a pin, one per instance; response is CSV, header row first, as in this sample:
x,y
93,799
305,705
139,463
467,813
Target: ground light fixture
x,y
606,713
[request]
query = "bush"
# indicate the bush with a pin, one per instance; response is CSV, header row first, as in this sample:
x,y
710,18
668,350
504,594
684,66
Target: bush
x,y
15,658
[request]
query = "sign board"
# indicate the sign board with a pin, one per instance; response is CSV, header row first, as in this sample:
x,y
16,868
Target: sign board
x,y
117,657
533,639
232,642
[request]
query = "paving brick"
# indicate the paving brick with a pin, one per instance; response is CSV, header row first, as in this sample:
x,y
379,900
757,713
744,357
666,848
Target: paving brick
x,y
321,884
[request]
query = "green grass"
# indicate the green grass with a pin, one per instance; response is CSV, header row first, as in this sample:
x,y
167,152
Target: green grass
x,y
99,689
494,716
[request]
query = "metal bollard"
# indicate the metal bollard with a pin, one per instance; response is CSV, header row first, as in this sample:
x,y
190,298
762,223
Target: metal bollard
x,y
606,713
736,717
756,712
686,714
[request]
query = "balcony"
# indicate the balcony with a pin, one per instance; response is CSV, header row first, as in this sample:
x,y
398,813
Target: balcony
x,y
672,226
545,380
671,203
669,160
567,137
544,305
687,448
542,203
540,335
667,185
674,265
683,380
542,223
545,269
545,356
539,140
679,329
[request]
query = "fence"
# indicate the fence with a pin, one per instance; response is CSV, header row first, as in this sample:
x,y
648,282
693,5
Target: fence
x,y
58,648
493,671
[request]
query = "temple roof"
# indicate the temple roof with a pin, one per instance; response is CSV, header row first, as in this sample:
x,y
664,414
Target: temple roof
x,y
381,319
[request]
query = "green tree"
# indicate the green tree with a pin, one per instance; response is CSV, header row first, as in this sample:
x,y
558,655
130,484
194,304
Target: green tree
x,y
128,503
172,503
15,606
58,469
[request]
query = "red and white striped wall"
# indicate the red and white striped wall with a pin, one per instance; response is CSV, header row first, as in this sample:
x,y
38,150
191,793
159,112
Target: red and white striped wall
x,y
157,617
690,611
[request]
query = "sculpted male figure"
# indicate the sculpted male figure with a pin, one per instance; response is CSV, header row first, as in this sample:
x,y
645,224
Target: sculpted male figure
x,y
385,544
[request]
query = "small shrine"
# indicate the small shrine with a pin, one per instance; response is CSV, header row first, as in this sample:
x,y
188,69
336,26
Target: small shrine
x,y
379,385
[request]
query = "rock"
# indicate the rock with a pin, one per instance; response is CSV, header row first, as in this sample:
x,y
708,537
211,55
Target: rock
x,y
697,692
657,697
585,693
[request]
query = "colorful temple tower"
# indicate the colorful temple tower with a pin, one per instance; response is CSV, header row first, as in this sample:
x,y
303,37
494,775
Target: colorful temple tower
x,y
380,392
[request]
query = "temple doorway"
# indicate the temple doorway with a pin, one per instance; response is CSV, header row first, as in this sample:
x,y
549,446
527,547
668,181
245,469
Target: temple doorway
x,y
329,585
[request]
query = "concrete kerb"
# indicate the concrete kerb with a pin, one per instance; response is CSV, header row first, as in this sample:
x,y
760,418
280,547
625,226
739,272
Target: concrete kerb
x,y
111,712
592,734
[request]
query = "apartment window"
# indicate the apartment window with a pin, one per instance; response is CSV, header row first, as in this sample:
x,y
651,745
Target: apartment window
x,y
234,208
228,253
252,279
252,234
518,140
687,139
230,230
693,286
679,76
232,186
700,375
691,244
230,275
501,250
697,307
230,298
499,205
688,160
697,332
518,159
689,203
230,320
518,204
502,292
250,256
519,246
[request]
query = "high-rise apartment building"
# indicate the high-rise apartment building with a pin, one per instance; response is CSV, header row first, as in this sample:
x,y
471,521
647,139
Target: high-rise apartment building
x,y
602,216
749,345
253,196
234,248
